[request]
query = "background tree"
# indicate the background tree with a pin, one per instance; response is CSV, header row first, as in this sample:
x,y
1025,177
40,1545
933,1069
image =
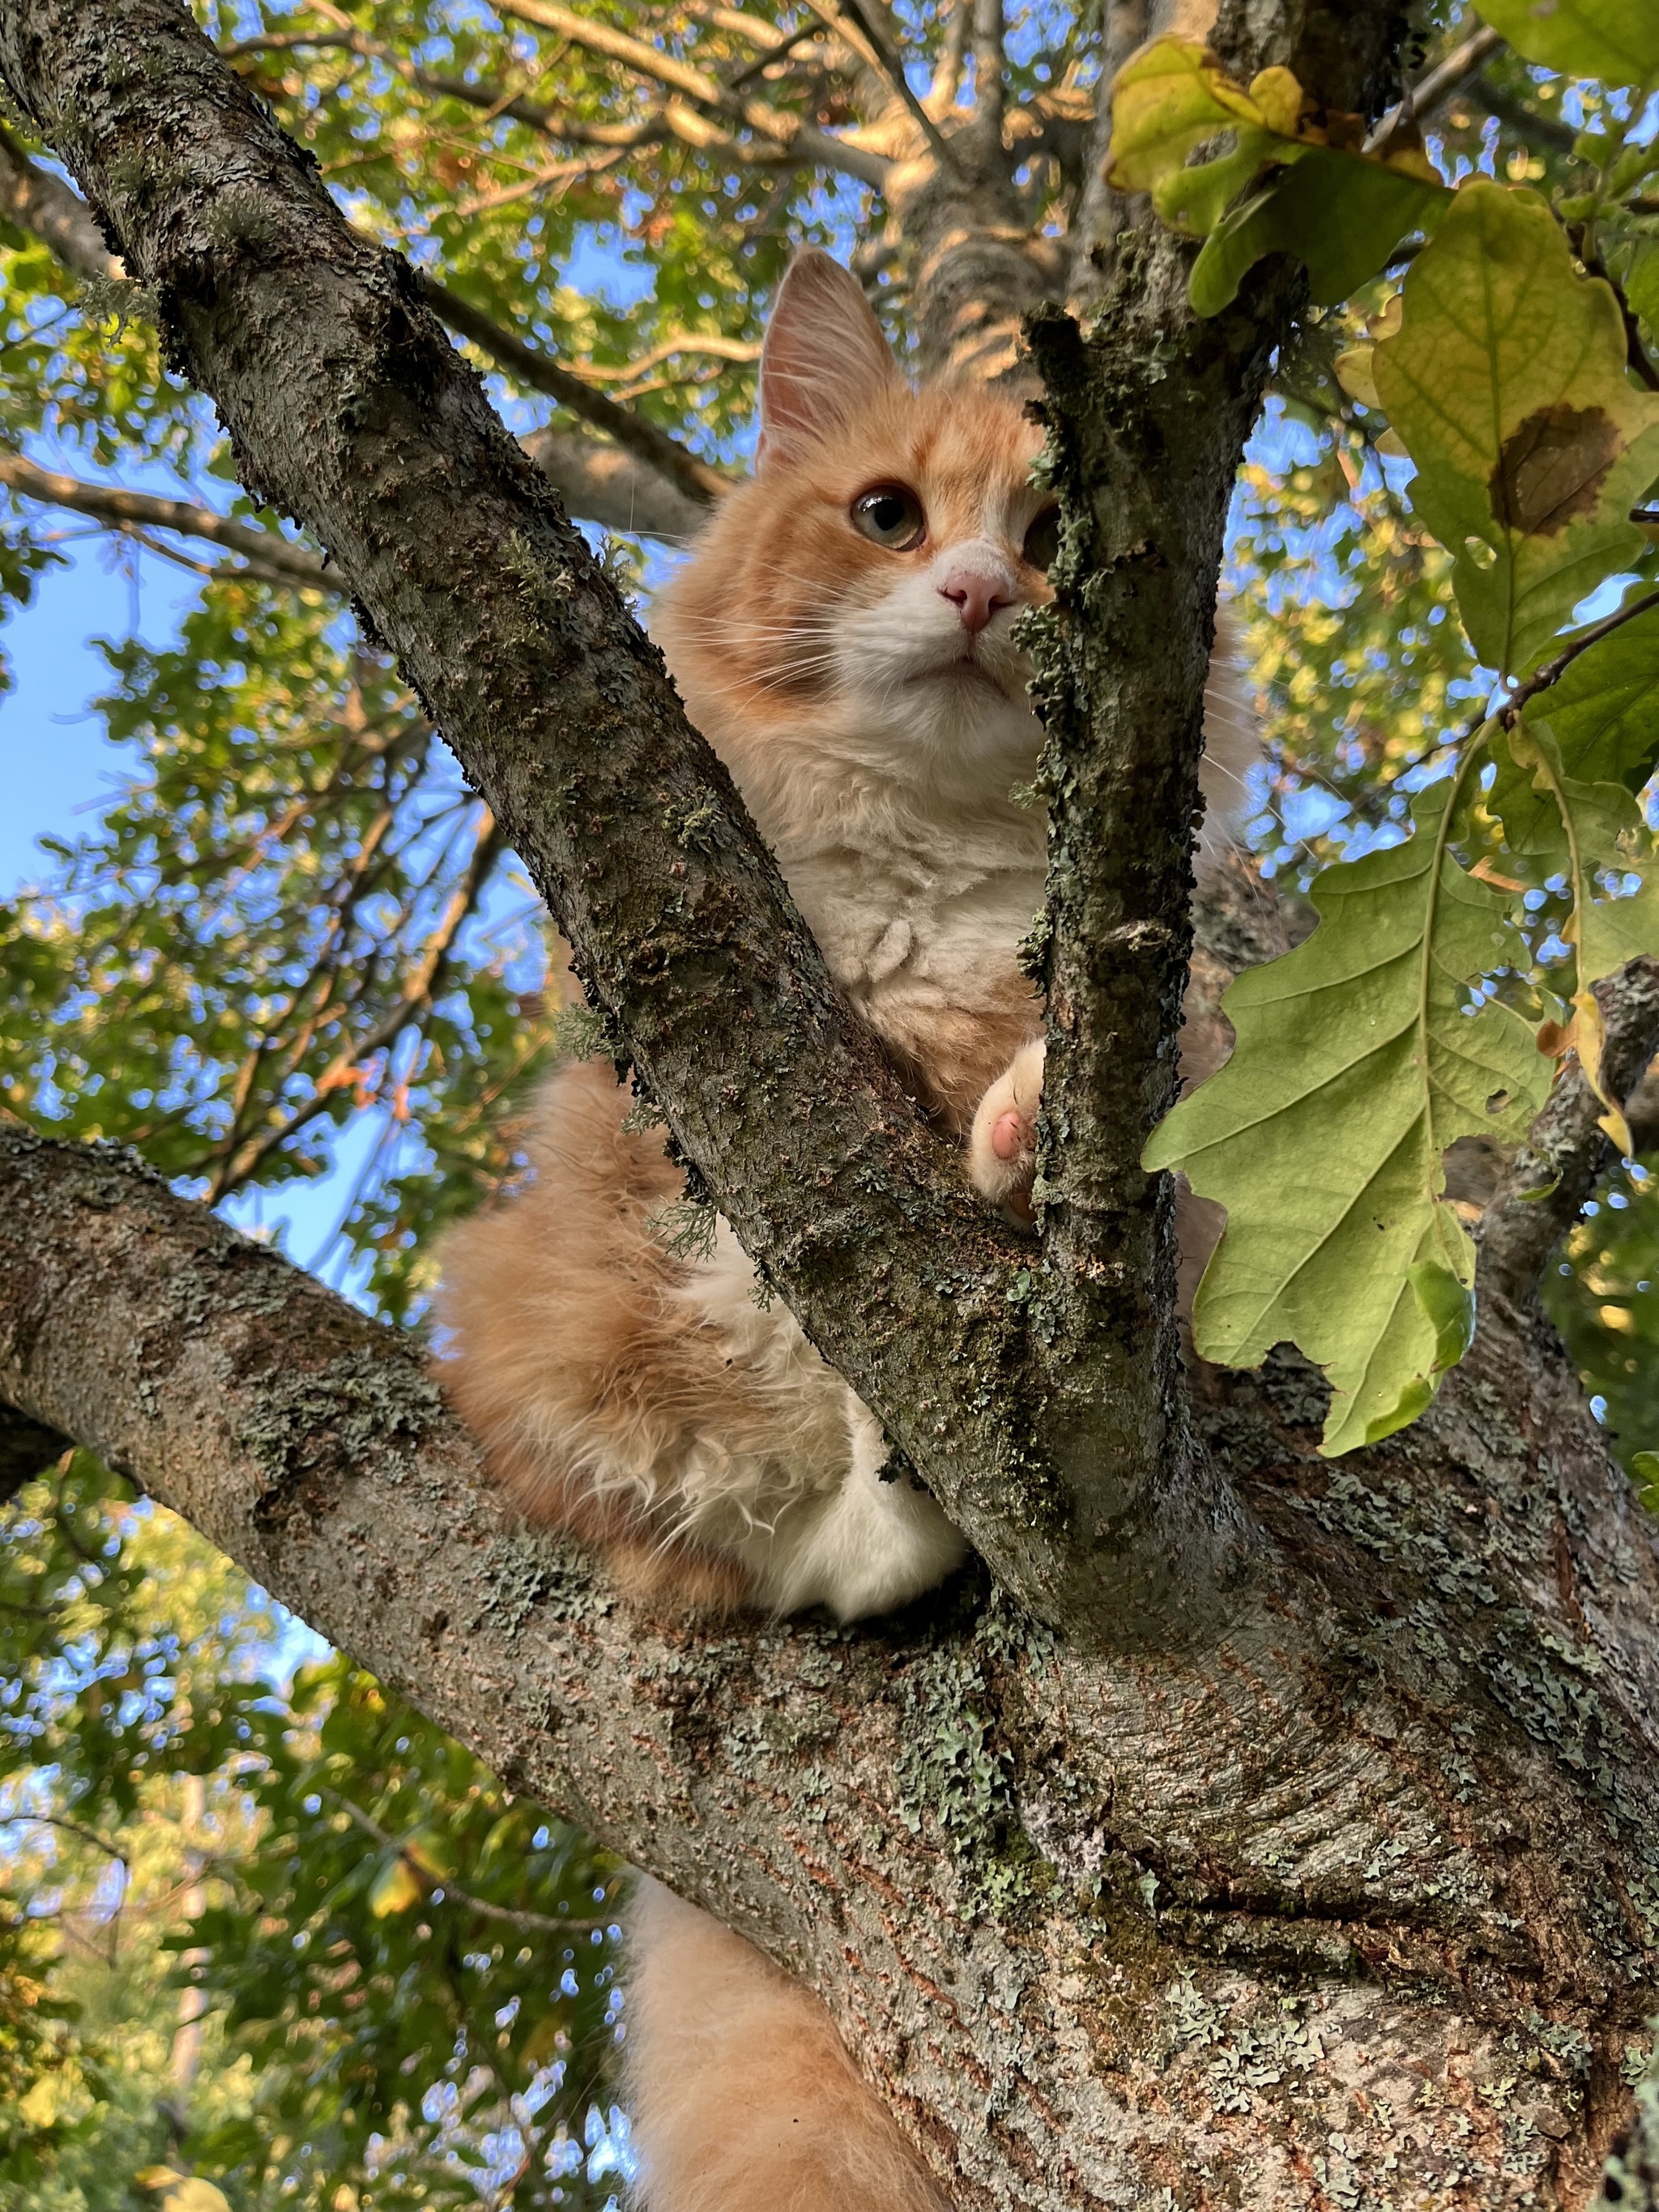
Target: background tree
x,y
300,924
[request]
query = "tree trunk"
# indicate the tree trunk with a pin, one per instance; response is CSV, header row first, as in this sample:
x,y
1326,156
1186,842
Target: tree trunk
x,y
1356,1904
1296,1841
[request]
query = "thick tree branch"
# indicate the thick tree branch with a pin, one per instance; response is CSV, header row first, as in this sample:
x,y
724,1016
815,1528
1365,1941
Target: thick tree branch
x,y
274,555
1153,1864
605,484
347,407
1544,1188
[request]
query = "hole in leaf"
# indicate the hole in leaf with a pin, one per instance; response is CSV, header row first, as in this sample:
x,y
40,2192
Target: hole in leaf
x,y
1479,552
1498,1102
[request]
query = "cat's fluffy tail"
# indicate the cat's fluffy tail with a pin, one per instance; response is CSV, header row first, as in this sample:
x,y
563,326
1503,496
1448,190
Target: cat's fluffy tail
x,y
742,2094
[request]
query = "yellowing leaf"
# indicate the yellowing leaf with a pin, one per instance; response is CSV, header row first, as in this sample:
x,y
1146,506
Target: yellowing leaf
x,y
397,1886
182,2192
1506,382
1323,1136
1616,40
1337,210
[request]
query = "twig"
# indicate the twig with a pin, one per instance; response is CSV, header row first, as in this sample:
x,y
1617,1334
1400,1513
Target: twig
x,y
418,993
109,503
1445,78
1635,347
1542,1192
69,1828
542,1922
784,129
1553,671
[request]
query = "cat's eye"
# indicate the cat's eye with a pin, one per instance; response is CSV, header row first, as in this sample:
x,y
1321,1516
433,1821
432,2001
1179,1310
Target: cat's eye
x,y
1042,540
891,516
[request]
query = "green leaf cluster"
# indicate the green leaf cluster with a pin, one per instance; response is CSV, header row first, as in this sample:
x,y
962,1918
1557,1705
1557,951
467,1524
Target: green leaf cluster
x,y
1397,1029
1288,183
375,1926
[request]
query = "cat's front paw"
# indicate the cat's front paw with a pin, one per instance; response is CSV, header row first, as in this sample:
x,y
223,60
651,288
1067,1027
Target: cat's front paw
x,y
1002,1144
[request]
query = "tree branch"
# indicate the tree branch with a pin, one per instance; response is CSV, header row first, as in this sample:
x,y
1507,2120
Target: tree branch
x,y
801,141
425,980
1543,1190
1189,1837
274,554
1429,92
694,479
347,406
989,61
45,207
27,1447
540,1923
672,506
608,485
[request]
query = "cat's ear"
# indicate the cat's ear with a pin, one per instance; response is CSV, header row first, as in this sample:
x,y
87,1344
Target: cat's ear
x,y
823,358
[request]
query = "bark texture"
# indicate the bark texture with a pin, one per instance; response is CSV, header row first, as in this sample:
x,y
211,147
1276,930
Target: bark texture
x,y
1050,1444
1334,1884
1358,1905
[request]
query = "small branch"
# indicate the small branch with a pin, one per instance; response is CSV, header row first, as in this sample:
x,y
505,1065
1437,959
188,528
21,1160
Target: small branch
x,y
801,140
490,99
1446,77
47,207
108,503
537,1923
1543,1190
988,64
235,1168
693,479
69,1828
1635,349
1553,671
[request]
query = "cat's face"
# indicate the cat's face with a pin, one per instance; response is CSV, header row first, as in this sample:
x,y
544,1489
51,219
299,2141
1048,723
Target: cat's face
x,y
858,598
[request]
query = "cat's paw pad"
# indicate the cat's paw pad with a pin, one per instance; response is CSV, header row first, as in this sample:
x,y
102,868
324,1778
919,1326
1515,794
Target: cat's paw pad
x,y
1002,1144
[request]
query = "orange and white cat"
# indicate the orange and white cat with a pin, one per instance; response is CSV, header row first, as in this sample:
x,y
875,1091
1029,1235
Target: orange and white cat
x,y
843,635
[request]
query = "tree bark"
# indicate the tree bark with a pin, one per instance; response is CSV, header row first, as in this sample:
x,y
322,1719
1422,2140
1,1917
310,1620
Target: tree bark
x,y
348,408
1357,1904
1319,1864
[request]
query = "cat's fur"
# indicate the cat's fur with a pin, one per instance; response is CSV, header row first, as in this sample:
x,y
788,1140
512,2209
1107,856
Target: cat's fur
x,y
872,708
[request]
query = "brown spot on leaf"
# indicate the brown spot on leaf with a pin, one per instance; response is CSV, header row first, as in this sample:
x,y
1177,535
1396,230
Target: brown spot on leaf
x,y
1552,468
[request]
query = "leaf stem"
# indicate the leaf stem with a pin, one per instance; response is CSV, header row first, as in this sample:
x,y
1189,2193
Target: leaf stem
x,y
1553,671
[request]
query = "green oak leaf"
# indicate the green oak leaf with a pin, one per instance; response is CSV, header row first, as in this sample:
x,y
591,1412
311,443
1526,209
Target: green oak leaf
x,y
1356,1066
1506,383
1616,40
1340,215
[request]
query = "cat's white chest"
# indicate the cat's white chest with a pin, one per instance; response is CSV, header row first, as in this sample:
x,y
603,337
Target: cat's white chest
x,y
942,924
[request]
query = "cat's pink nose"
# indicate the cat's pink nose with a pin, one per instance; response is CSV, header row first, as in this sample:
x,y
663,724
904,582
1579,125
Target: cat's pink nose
x,y
975,596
